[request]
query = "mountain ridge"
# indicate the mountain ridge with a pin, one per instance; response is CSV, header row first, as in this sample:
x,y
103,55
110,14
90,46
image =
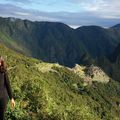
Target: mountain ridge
x,y
57,42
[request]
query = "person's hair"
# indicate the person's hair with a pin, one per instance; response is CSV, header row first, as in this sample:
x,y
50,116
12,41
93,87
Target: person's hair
x,y
3,66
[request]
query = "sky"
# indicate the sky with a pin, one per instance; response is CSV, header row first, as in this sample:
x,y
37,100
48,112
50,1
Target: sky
x,y
74,13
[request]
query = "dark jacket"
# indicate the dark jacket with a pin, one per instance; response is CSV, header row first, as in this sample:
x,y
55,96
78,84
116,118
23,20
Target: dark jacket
x,y
5,88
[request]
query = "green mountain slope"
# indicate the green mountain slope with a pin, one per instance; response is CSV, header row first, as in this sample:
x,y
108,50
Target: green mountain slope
x,y
57,42
99,41
112,65
116,54
45,91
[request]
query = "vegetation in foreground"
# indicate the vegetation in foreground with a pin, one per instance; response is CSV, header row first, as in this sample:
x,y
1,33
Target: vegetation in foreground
x,y
58,94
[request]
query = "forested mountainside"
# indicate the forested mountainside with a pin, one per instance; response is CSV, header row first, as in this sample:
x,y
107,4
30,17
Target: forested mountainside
x,y
57,42
111,65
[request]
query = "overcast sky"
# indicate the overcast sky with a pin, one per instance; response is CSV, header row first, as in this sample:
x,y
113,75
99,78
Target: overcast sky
x,y
74,13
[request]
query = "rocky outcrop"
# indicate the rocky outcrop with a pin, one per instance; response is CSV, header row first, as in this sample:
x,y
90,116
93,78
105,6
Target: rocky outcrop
x,y
91,73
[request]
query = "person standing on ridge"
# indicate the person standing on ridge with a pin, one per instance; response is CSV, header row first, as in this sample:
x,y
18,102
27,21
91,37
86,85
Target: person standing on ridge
x,y
5,89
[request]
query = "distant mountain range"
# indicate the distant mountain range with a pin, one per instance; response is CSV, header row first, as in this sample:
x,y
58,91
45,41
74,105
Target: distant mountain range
x,y
57,42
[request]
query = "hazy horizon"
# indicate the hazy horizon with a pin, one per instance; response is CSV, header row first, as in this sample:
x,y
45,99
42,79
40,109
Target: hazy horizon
x,y
74,13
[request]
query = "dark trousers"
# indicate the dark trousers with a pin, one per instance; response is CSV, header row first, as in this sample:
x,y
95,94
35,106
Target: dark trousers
x,y
3,106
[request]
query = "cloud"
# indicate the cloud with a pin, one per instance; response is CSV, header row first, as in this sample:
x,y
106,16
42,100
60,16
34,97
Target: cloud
x,y
89,4
98,5
109,9
8,10
19,1
22,13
